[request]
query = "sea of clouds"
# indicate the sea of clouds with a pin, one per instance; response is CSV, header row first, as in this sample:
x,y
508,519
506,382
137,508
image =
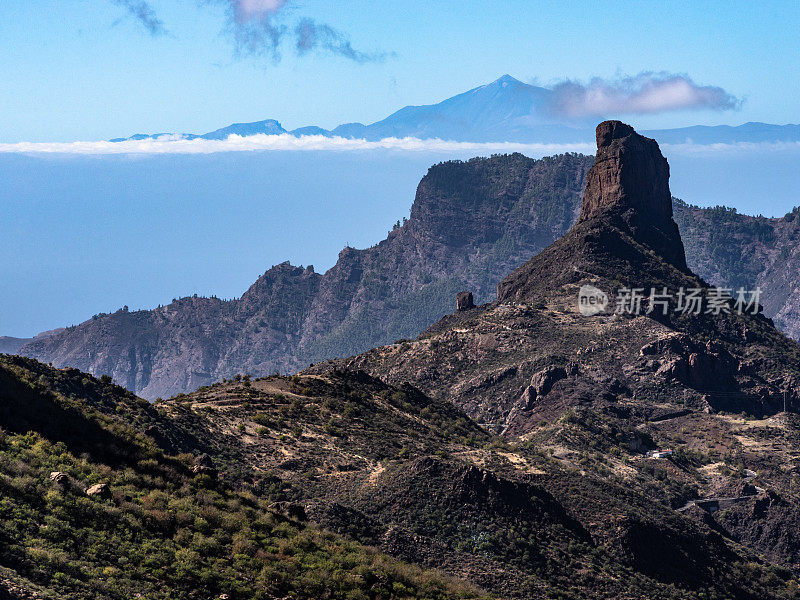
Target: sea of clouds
x,y
285,142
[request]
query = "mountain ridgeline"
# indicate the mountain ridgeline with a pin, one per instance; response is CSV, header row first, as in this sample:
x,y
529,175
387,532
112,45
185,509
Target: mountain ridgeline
x,y
471,223
505,110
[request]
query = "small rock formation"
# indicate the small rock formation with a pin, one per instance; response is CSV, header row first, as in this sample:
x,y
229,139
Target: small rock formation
x,y
630,178
98,489
541,384
59,478
700,366
464,301
203,465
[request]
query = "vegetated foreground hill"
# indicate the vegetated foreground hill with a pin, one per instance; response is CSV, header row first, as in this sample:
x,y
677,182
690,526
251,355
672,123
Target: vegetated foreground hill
x,y
471,223
91,507
270,488
576,512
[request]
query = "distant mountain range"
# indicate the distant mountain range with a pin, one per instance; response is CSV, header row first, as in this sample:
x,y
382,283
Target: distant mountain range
x,y
506,110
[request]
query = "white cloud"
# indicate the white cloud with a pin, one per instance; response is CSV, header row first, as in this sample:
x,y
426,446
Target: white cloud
x,y
172,144
283,142
258,8
646,93
740,148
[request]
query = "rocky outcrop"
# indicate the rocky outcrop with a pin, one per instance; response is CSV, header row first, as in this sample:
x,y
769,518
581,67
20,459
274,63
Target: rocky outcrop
x,y
464,301
541,384
204,465
708,366
630,179
101,490
625,232
59,479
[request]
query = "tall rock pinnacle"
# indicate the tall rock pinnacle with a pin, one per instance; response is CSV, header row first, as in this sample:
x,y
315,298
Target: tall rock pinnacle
x,y
630,179
625,230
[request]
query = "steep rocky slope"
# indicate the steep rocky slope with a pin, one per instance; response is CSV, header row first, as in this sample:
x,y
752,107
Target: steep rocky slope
x,y
735,250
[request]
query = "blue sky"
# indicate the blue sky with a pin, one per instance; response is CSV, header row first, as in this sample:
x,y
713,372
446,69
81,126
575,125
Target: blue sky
x,y
87,234
89,69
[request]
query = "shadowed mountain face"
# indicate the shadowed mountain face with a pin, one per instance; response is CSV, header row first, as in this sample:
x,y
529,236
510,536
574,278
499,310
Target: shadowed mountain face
x,y
734,250
12,345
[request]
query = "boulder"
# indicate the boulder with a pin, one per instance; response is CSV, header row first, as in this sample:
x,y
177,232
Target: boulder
x,y
98,489
59,478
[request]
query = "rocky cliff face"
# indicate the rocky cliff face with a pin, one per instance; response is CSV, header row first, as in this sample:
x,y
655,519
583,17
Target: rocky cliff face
x,y
625,231
735,250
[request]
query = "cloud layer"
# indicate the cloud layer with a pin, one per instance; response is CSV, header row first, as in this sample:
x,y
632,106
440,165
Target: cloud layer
x,y
284,142
646,93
